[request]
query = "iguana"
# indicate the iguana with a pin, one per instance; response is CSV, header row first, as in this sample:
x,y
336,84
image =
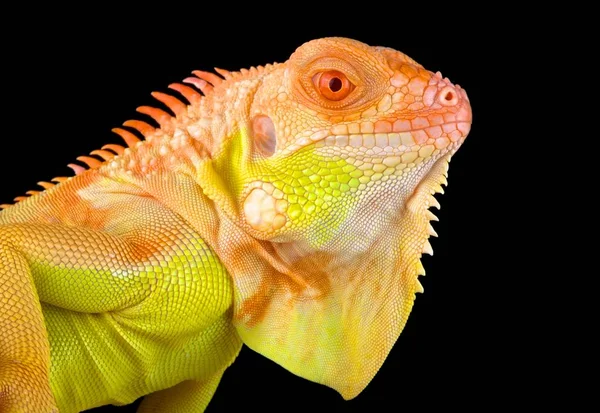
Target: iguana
x,y
284,207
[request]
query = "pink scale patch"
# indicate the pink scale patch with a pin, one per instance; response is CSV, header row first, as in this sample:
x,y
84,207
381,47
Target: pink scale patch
x,y
455,136
416,86
420,136
464,127
420,123
449,117
399,79
383,126
416,106
436,119
449,127
429,95
434,131
401,126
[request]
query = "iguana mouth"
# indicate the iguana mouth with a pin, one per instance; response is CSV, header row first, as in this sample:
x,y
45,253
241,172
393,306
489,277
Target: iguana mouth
x,y
408,145
384,143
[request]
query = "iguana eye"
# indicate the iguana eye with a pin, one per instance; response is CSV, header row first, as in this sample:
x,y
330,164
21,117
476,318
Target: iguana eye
x,y
333,85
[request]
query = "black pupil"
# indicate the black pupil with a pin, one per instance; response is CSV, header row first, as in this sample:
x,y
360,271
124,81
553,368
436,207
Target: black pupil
x,y
335,84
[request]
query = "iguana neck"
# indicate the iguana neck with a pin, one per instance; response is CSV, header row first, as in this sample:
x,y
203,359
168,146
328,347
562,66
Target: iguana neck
x,y
286,295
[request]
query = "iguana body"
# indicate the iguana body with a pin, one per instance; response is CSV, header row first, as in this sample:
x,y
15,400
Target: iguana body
x,y
286,209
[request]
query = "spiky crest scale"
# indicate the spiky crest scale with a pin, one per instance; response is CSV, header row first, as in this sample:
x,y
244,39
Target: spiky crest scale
x,y
204,81
118,149
160,116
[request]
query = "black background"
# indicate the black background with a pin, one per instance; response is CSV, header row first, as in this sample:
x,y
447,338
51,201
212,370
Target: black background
x,y
78,74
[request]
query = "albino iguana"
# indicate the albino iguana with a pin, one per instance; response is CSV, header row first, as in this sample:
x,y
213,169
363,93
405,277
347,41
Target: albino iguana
x,y
284,207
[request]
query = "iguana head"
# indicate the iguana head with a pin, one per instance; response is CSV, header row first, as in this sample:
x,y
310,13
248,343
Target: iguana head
x,y
331,168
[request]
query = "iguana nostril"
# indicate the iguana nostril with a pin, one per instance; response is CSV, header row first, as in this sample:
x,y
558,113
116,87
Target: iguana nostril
x,y
448,96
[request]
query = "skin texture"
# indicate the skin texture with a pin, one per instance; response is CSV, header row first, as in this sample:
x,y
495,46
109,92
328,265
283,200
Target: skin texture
x,y
286,207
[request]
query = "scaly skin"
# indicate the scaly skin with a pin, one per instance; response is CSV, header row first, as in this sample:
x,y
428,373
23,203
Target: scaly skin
x,y
287,209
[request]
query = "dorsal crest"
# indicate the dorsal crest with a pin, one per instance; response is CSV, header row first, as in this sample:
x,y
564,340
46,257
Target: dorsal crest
x,y
202,84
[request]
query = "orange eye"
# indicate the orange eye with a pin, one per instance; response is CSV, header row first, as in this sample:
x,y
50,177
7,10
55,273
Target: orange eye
x,y
333,85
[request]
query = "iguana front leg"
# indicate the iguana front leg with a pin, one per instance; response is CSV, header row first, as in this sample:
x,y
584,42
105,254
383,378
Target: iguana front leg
x,y
151,281
68,267
24,350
